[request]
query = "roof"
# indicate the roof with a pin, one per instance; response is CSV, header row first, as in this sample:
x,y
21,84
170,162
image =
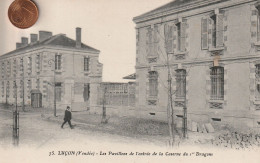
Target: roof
x,y
56,40
132,76
176,4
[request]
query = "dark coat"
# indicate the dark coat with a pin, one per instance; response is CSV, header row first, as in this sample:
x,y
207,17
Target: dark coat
x,y
67,115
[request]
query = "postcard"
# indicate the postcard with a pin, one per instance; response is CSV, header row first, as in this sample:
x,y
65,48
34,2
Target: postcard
x,y
130,81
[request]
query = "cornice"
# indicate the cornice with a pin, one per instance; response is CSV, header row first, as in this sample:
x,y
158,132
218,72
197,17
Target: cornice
x,y
47,47
188,7
204,61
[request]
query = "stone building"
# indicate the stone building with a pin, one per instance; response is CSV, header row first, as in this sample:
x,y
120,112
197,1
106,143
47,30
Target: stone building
x,y
117,94
214,60
53,62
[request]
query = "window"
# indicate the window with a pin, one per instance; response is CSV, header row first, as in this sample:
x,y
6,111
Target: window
x,y
21,65
86,63
180,83
58,91
37,62
217,83
153,84
8,71
14,89
14,68
178,36
3,89
152,41
29,65
3,69
257,82
212,31
258,22
29,87
86,92
7,89
21,88
57,62
217,30
204,33
181,36
168,35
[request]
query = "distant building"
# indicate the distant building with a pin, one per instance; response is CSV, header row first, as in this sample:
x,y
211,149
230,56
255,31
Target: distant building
x,y
50,63
117,94
214,59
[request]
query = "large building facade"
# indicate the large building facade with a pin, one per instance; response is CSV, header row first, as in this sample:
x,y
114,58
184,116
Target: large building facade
x,y
212,47
51,69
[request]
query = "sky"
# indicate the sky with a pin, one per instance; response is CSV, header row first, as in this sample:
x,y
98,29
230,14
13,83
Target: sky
x,y
106,25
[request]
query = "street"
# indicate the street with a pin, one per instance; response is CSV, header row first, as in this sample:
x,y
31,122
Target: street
x,y
41,139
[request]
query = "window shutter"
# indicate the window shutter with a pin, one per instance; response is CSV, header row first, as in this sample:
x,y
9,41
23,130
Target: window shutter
x,y
149,42
183,36
204,33
219,30
168,34
258,25
155,40
210,32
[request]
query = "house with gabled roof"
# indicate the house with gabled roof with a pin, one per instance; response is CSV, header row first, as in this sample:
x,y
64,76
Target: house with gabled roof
x,y
51,70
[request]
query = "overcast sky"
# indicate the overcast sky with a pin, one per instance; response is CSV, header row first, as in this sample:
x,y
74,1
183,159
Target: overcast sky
x,y
106,25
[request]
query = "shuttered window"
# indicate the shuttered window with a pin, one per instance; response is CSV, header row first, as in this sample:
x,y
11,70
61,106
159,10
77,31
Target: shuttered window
x,y
152,41
38,60
219,30
29,65
21,88
257,75
29,88
217,83
204,33
183,37
7,89
168,34
180,83
3,89
178,36
149,42
213,30
258,22
153,83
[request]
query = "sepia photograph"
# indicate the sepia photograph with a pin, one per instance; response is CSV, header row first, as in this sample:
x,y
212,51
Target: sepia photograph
x,y
130,81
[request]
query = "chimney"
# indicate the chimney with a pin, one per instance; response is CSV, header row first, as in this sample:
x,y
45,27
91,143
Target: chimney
x,y
44,35
18,45
34,38
24,41
78,37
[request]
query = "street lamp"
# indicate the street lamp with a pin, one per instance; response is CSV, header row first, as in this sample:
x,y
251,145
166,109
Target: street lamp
x,y
50,62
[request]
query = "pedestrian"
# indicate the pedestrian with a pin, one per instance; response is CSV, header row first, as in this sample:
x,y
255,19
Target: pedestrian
x,y
67,117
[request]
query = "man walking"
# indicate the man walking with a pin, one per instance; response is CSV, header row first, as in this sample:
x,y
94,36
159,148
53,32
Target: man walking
x,y
67,117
